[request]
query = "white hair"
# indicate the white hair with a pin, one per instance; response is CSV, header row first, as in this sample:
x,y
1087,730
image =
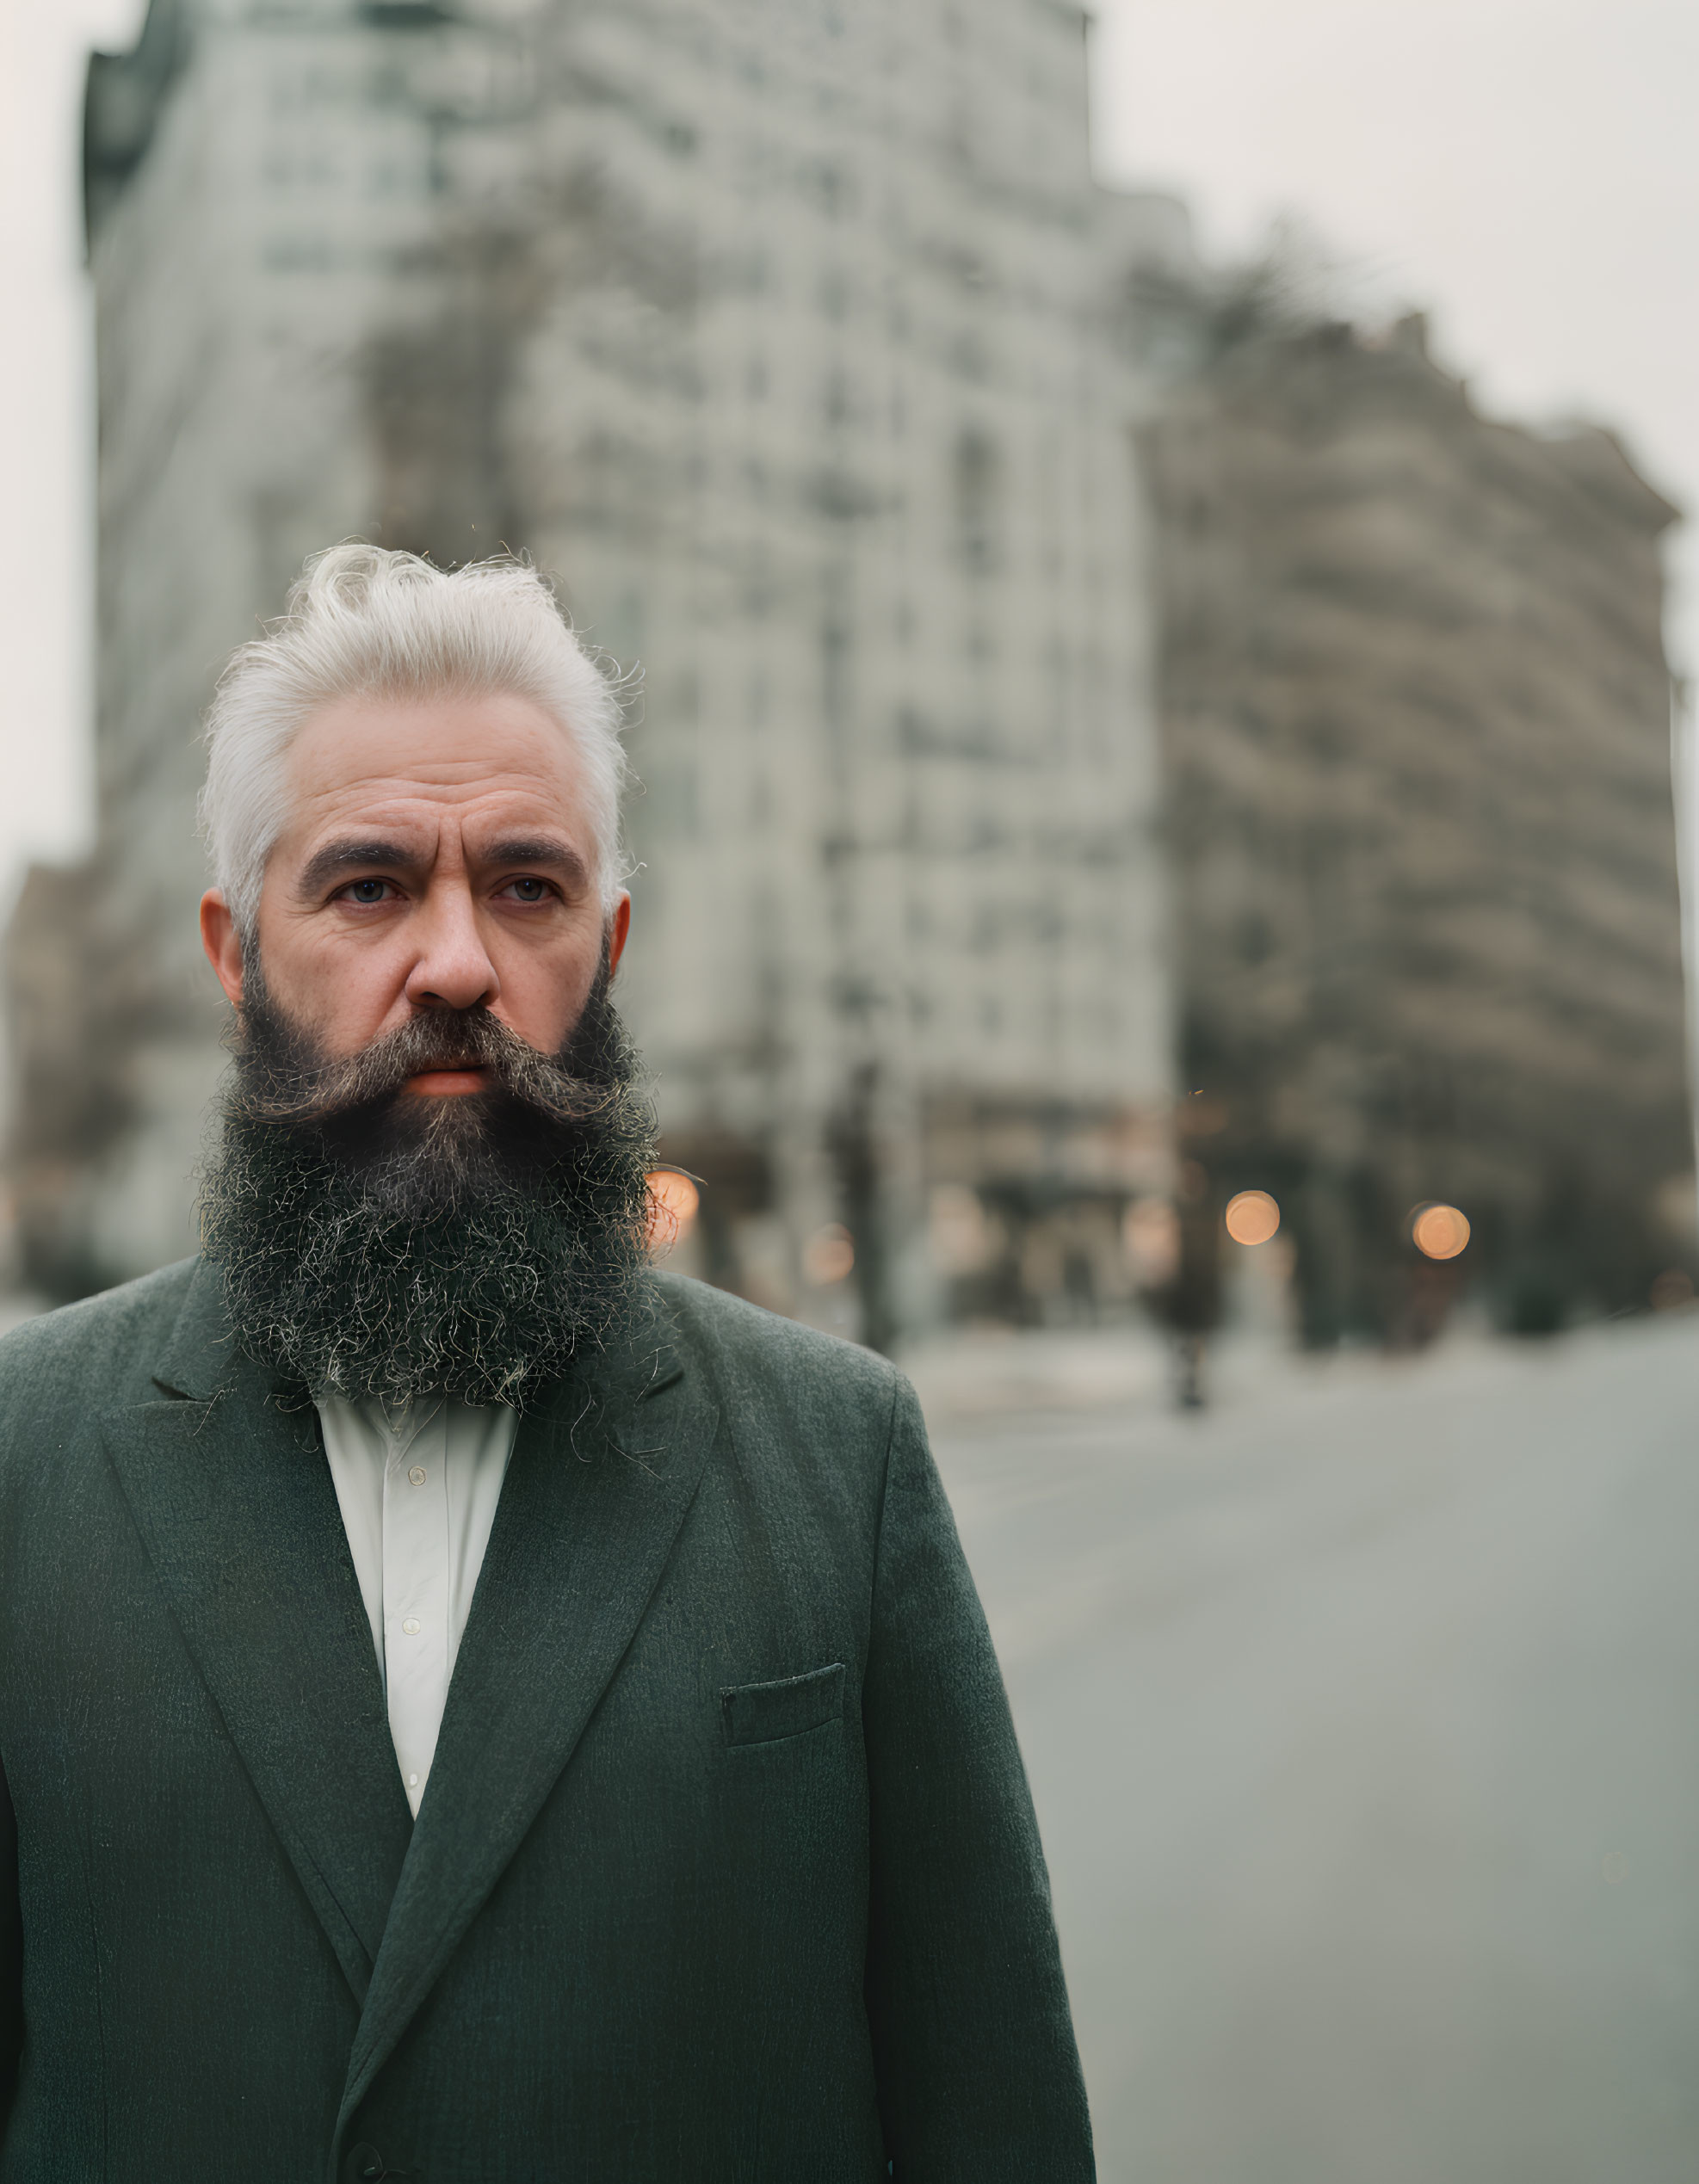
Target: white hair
x,y
363,621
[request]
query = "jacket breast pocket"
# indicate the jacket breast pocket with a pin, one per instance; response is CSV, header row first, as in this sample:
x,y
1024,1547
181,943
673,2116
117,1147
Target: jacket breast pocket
x,y
765,1714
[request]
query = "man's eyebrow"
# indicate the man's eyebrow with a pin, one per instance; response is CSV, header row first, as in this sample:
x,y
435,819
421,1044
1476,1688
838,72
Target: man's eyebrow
x,y
337,857
538,849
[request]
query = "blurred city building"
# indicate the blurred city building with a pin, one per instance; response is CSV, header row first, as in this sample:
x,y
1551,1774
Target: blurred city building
x,y
1417,719
988,562
781,331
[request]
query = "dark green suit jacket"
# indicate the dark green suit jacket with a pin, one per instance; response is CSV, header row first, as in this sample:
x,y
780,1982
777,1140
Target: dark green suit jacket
x,y
726,1869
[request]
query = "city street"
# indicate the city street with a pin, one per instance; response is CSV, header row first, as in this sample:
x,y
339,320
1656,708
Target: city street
x,y
1362,1714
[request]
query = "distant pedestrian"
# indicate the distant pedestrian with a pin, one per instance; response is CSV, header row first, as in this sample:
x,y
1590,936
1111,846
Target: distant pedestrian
x,y
1191,1302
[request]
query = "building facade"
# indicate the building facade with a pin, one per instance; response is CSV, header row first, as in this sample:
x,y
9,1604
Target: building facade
x,y
1416,717
777,330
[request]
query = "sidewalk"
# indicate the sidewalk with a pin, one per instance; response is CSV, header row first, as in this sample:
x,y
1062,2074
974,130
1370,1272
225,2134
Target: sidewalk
x,y
979,1372
980,1375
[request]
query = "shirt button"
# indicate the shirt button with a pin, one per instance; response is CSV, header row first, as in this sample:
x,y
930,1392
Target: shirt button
x,y
412,1781
412,1626
417,1475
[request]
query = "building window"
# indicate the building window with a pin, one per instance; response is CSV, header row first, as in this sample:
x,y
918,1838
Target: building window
x,y
403,15
977,494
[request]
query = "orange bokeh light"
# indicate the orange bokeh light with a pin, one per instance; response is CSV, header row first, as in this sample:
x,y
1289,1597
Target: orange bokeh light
x,y
828,1254
673,1200
1253,1216
1439,1232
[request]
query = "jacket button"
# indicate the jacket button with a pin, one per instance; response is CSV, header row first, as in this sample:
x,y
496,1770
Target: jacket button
x,y
366,2165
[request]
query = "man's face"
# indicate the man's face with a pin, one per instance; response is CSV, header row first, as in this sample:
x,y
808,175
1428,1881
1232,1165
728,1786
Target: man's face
x,y
436,856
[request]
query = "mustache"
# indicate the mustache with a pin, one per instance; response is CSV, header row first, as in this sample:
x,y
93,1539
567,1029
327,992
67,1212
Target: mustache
x,y
282,1083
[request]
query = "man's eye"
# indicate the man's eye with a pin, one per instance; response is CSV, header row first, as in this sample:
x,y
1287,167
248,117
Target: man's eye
x,y
529,890
366,890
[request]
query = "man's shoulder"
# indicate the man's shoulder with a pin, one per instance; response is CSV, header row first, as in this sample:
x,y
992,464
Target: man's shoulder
x,y
98,1351
762,1361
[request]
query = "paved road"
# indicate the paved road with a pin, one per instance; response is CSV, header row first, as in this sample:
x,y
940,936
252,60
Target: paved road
x,y
1363,1721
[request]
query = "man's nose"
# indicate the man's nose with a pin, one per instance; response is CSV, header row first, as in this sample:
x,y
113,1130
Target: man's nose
x,y
452,969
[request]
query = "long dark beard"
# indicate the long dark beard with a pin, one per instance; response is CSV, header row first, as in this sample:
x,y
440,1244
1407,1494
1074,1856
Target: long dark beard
x,y
374,1243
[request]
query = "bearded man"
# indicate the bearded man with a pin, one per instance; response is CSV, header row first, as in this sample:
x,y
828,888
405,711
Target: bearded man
x,y
472,1708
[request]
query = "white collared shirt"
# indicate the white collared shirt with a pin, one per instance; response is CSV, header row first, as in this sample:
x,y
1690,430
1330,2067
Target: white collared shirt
x,y
419,1488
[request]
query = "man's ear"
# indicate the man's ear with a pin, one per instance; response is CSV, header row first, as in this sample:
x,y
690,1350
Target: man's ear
x,y
222,943
619,926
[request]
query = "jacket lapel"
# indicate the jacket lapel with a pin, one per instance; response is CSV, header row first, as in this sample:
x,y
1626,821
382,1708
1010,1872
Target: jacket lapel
x,y
236,1508
598,1486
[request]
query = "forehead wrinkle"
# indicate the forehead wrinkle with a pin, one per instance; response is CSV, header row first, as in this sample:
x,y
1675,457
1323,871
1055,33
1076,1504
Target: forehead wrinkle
x,y
442,757
392,803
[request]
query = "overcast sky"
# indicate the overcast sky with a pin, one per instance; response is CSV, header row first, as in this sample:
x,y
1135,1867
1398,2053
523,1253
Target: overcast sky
x,y
1526,169
46,427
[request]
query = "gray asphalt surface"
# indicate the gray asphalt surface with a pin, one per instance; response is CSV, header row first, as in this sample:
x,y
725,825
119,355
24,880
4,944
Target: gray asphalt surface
x,y
1363,1715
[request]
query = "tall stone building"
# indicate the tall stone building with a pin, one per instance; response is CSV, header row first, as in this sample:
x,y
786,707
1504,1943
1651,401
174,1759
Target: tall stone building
x,y
776,328
1416,717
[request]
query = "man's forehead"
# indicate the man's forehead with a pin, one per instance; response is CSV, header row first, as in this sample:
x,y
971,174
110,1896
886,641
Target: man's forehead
x,y
464,771
426,809
434,750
